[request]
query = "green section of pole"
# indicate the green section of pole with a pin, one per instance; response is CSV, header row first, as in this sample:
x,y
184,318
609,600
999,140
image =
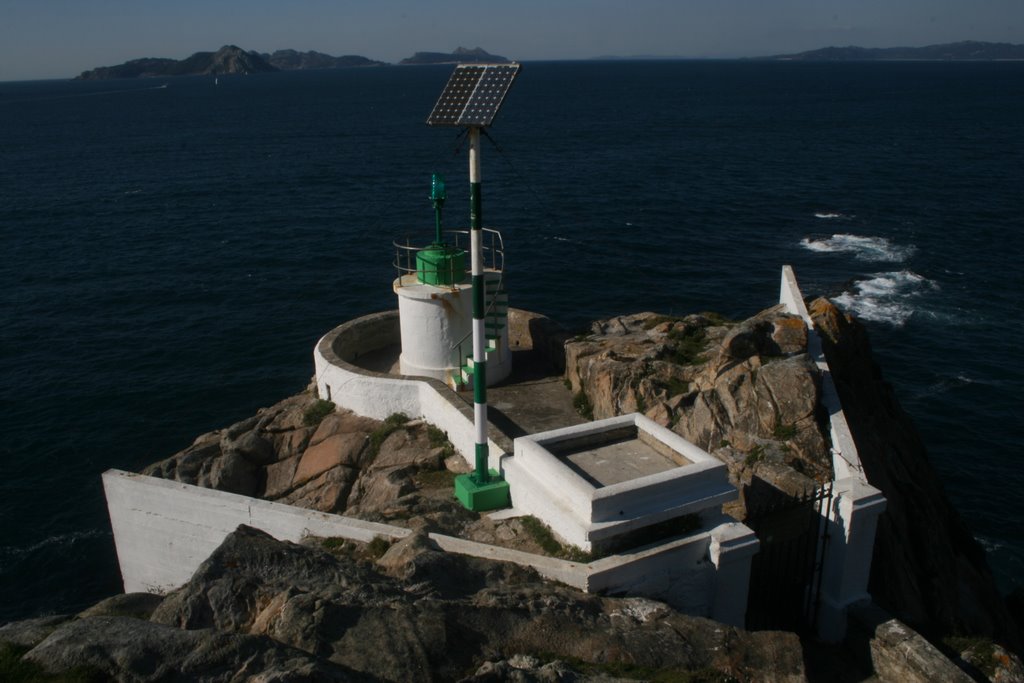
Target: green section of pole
x,y
482,475
476,219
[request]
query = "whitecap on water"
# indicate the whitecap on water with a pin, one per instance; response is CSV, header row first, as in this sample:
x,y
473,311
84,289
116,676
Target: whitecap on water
x,y
886,297
863,248
14,552
830,215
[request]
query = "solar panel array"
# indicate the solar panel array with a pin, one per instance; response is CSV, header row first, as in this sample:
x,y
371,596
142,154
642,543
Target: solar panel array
x,y
473,95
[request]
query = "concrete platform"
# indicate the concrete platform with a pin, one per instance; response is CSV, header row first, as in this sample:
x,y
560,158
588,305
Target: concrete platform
x,y
614,463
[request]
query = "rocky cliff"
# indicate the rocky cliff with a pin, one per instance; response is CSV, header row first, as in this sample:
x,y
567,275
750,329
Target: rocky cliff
x,y
261,609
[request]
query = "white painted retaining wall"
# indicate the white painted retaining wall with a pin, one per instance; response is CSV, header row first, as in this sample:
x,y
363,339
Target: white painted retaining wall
x,y
164,530
378,395
856,505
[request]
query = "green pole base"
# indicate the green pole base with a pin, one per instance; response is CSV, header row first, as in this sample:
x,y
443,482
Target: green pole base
x,y
493,495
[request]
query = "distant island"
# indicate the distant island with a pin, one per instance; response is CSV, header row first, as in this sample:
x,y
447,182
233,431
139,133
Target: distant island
x,y
967,50
291,60
461,55
230,59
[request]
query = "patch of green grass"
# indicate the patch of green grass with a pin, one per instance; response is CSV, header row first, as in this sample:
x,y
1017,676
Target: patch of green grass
x,y
13,669
316,413
335,544
439,439
581,402
687,346
377,547
724,443
716,319
674,386
541,534
784,432
391,424
754,456
543,537
435,479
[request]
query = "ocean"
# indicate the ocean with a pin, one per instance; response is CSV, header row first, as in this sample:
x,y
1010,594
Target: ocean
x,y
172,250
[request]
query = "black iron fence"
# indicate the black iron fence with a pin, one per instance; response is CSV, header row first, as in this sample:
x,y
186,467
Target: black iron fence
x,y
785,575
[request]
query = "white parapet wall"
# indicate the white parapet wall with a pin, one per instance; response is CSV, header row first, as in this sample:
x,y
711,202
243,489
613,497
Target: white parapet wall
x,y
163,531
378,395
845,460
853,516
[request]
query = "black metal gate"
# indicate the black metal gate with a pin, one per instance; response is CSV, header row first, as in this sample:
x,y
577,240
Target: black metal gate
x,y
785,574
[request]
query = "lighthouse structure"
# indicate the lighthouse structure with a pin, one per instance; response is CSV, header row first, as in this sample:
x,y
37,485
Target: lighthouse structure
x,y
453,330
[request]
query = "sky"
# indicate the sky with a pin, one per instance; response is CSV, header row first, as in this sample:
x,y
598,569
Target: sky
x,y
60,38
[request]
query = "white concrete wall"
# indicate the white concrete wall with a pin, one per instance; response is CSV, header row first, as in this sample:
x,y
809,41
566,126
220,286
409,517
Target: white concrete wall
x,y
377,395
163,531
856,505
435,323
845,459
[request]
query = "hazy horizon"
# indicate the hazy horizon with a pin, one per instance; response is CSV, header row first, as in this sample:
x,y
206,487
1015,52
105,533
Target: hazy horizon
x,y
62,38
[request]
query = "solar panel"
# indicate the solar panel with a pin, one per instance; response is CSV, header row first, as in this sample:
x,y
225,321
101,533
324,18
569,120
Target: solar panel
x,y
473,95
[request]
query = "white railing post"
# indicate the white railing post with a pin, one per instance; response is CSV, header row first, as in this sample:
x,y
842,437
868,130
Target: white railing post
x,y
852,521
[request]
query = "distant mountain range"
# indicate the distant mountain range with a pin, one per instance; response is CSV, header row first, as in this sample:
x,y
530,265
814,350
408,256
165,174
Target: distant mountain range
x,y
291,60
232,59
461,55
962,51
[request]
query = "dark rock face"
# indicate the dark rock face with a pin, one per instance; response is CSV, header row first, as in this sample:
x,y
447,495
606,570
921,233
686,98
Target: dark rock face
x,y
230,59
259,609
927,567
123,648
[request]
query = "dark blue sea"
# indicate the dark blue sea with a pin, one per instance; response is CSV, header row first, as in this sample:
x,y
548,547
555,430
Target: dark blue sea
x,y
171,251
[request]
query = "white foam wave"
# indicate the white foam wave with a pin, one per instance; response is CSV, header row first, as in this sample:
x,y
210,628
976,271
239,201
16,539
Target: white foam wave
x,y
886,297
989,544
12,552
878,249
830,215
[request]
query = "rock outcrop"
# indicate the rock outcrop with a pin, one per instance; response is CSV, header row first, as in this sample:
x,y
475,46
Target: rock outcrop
x,y
746,392
267,610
